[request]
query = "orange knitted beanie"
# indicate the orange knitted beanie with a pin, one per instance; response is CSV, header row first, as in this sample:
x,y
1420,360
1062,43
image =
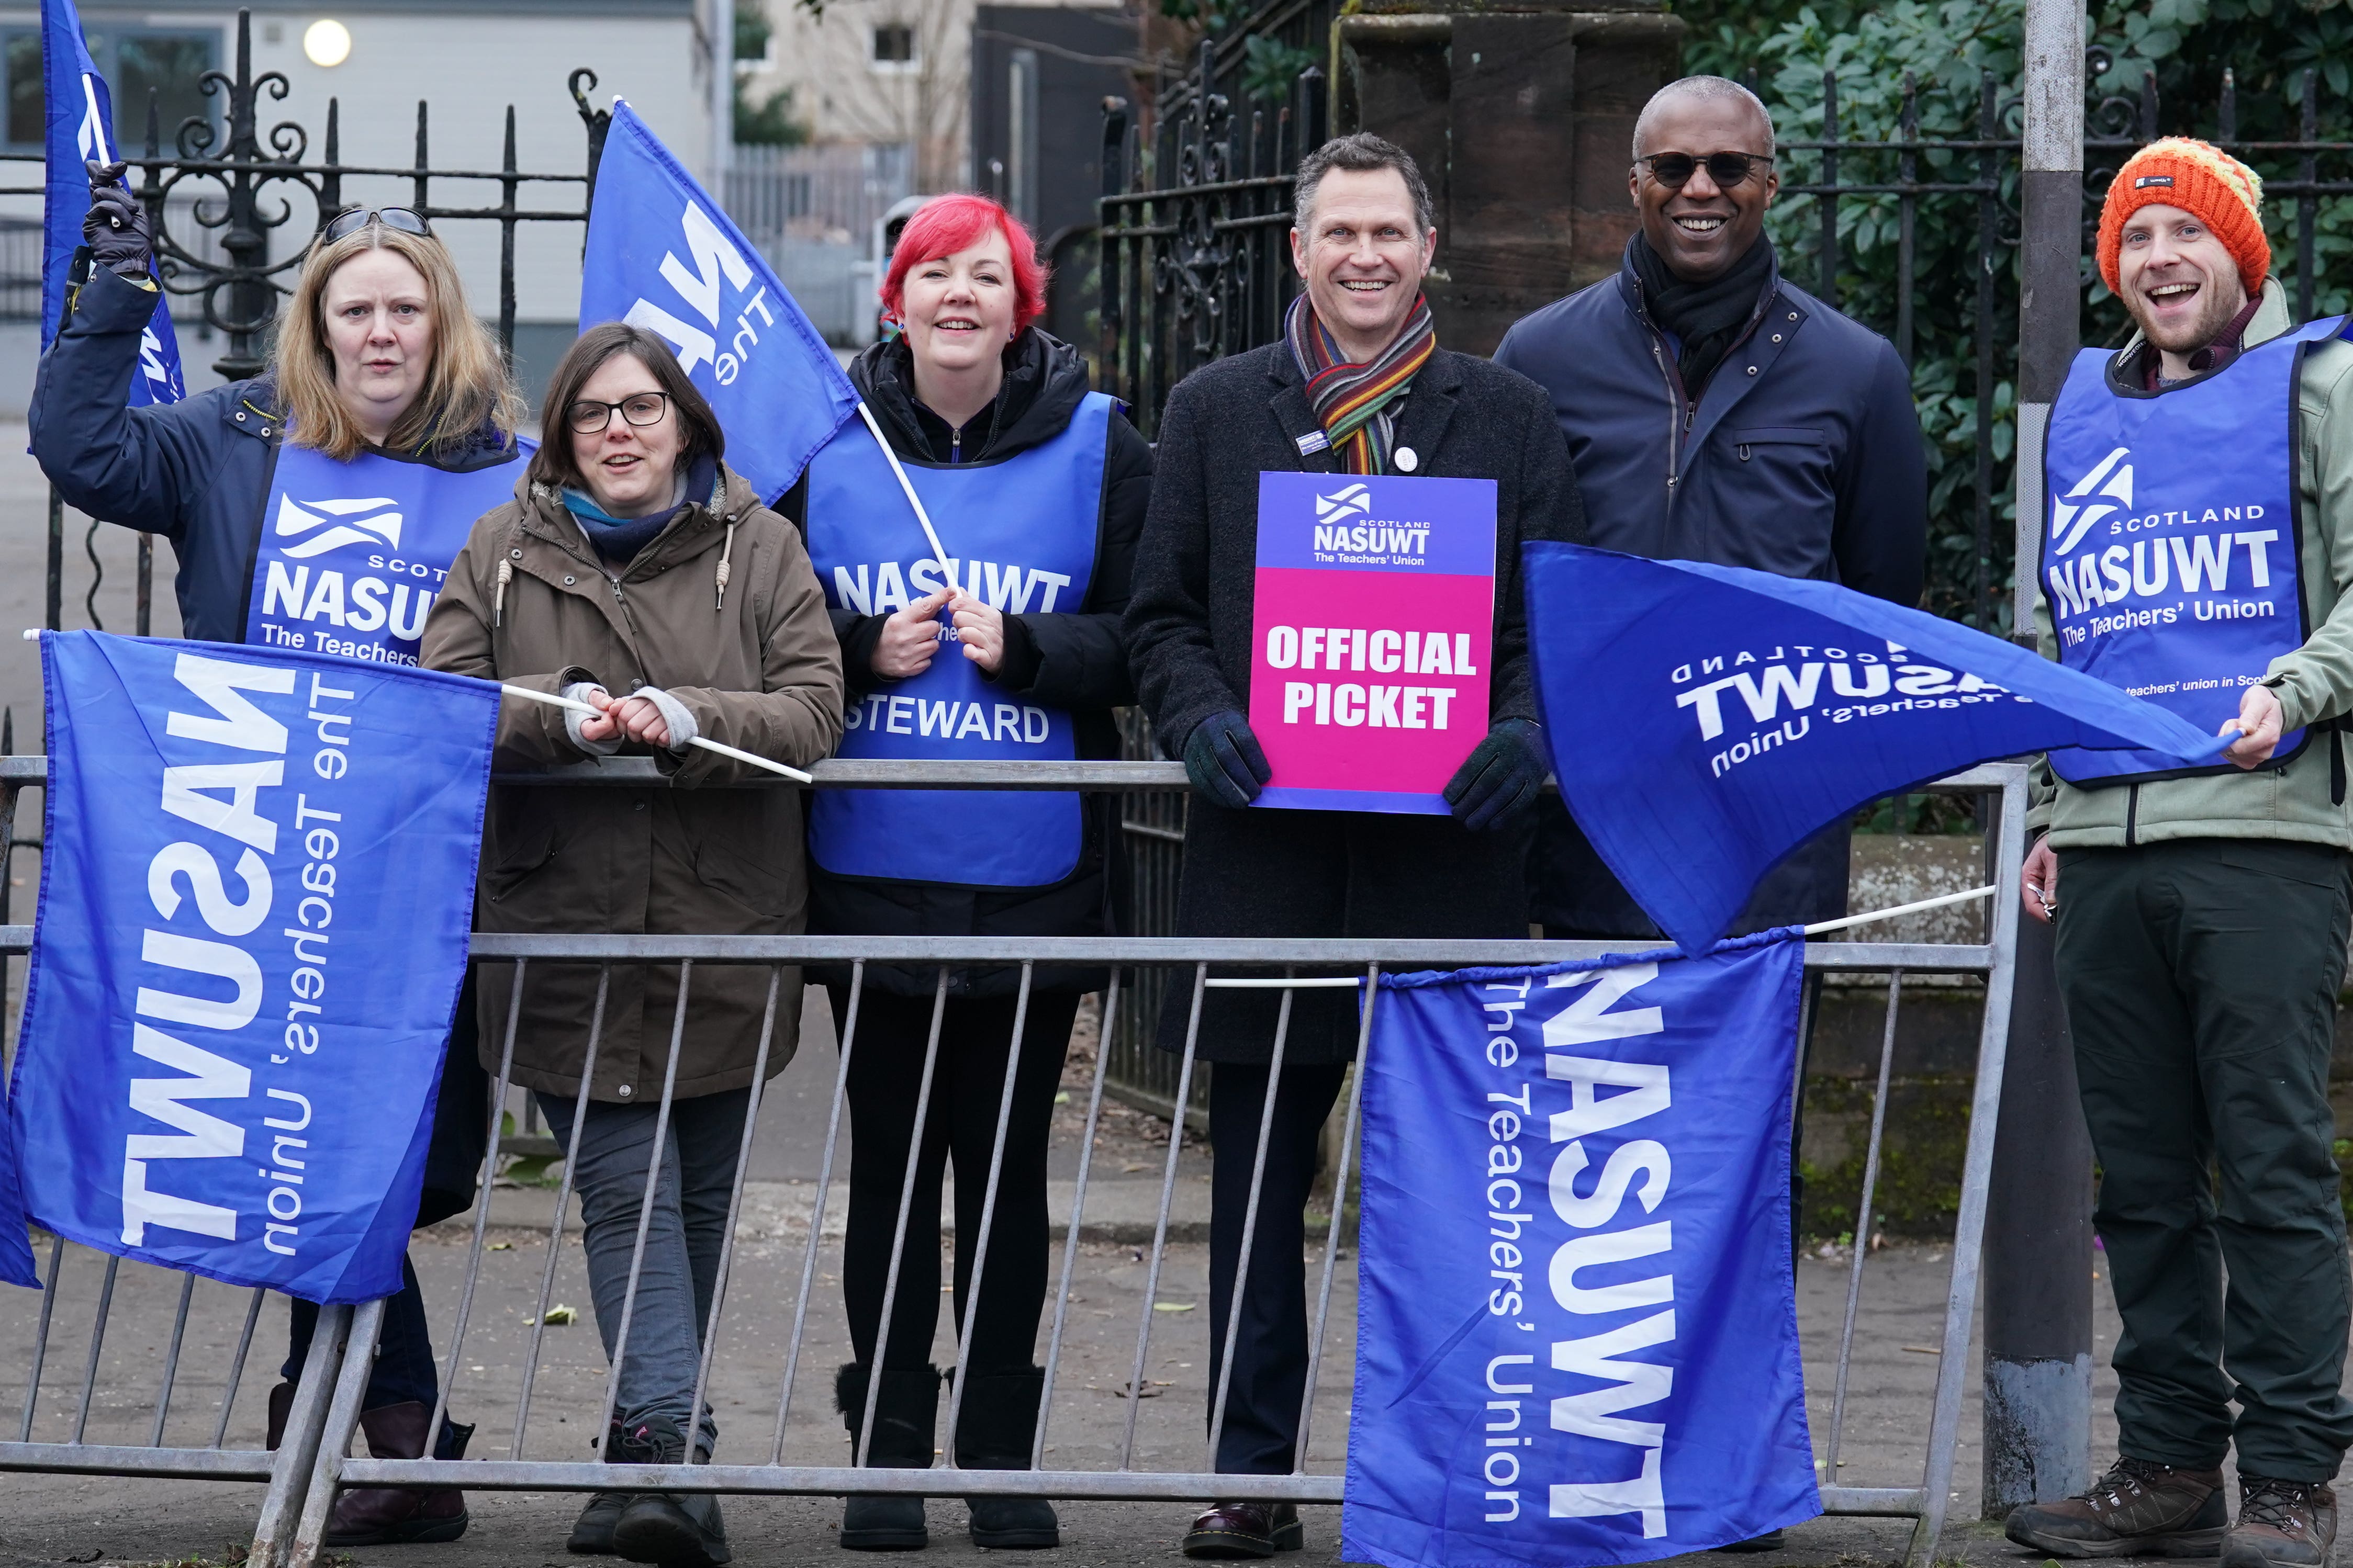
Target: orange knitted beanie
x,y
2201,179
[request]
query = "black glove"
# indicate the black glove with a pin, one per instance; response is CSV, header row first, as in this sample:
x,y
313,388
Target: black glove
x,y
1223,760
116,226
1500,780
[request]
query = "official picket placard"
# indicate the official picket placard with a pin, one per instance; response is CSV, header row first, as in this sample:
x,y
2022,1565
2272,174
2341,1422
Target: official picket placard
x,y
1374,623
1576,1337
1704,720
256,887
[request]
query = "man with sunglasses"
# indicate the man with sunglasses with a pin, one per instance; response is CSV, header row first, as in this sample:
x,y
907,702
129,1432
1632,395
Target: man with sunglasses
x,y
1716,412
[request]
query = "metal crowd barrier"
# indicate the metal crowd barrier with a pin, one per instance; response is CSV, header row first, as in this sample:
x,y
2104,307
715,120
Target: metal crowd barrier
x,y
315,1462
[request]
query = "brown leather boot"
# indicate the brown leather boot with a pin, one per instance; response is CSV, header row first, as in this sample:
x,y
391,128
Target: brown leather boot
x,y
2139,1508
2282,1525
382,1516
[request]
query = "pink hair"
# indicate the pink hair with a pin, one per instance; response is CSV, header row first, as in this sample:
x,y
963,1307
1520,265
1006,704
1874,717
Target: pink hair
x,y
949,223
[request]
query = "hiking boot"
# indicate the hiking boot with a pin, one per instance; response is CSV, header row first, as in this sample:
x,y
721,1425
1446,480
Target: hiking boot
x,y
673,1530
2139,1508
390,1516
592,1532
2282,1525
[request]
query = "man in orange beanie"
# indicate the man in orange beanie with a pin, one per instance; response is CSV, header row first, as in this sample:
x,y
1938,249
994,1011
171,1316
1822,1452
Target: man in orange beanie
x,y
2198,552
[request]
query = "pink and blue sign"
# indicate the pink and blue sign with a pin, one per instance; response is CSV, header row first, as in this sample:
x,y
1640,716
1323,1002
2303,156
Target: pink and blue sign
x,y
1373,624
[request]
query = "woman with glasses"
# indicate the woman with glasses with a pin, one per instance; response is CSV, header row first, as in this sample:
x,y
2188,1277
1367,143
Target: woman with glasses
x,y
316,506
1010,648
635,572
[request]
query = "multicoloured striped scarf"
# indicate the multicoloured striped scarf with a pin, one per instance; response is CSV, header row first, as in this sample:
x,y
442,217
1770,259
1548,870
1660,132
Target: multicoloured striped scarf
x,y
1350,401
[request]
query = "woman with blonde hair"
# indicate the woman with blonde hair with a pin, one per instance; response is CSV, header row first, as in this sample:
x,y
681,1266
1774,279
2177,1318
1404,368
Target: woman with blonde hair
x,y
317,506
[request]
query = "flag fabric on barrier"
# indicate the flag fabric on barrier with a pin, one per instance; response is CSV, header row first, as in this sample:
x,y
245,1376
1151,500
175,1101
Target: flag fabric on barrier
x,y
16,1252
1375,616
256,886
663,255
1577,1333
79,128
1704,720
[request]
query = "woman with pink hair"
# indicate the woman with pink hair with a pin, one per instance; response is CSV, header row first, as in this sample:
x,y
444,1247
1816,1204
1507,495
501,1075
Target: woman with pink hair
x,y
1008,649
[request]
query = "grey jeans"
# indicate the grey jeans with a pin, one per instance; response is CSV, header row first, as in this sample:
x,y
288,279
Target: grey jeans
x,y
684,1236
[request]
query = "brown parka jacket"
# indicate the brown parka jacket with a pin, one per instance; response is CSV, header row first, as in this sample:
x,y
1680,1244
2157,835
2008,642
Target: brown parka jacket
x,y
758,667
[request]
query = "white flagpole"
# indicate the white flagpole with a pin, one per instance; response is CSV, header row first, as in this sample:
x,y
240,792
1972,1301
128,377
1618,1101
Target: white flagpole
x,y
551,701
939,551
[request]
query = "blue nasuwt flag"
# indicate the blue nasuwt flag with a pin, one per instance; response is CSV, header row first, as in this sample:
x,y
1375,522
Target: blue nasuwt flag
x,y
1578,1337
663,255
1704,720
256,883
16,1252
79,123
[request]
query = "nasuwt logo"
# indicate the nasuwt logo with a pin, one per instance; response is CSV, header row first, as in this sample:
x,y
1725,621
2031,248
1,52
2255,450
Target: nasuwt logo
x,y
1347,501
2106,489
368,522
726,311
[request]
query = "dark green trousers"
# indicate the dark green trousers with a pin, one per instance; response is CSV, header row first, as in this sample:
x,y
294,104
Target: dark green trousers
x,y
2200,979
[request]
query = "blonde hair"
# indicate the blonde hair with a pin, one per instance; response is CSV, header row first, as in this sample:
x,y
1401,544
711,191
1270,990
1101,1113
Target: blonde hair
x,y
466,379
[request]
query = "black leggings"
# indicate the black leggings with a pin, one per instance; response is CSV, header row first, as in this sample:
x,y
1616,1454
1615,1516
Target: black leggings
x,y
885,1077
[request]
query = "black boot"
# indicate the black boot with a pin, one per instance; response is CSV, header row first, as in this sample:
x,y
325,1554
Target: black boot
x,y
592,1533
282,1406
675,1530
906,1413
996,1425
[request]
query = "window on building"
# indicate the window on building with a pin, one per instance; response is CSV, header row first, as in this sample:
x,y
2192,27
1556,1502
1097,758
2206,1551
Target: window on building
x,y
170,62
894,45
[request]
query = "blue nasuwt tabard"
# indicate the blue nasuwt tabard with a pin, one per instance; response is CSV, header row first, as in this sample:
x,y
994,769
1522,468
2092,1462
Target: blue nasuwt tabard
x,y
256,887
1024,533
663,255
351,555
1703,720
1577,1340
2173,560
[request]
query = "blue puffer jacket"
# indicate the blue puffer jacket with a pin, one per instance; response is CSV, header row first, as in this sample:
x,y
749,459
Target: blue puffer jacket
x,y
196,473
1803,458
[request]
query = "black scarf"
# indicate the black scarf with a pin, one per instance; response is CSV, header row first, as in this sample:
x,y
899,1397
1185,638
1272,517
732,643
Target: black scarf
x,y
1706,318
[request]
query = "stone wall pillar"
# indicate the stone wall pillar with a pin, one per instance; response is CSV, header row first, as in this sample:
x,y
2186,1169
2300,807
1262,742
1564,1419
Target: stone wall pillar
x,y
1522,117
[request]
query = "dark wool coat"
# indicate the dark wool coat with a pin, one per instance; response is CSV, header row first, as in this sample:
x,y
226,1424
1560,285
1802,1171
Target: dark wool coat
x,y
1803,458
1075,660
1189,634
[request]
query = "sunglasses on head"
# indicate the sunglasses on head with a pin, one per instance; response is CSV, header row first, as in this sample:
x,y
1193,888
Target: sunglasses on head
x,y
357,218
1674,169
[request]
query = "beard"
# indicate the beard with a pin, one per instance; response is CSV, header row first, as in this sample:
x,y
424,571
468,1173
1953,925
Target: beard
x,y
2216,305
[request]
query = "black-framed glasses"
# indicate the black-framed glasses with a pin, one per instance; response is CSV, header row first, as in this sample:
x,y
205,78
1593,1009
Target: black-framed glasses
x,y
641,409
356,219
1674,169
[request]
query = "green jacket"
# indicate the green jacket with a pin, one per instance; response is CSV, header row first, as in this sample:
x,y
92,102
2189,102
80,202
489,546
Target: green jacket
x,y
2292,801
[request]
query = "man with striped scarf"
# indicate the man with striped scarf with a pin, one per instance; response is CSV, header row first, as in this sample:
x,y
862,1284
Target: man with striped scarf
x,y
1359,386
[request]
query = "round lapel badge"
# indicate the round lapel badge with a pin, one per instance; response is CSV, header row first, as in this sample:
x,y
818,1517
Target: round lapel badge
x,y
1406,460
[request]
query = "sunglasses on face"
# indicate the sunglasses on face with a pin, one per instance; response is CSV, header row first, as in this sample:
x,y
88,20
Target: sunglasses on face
x,y
642,409
1674,169
357,218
